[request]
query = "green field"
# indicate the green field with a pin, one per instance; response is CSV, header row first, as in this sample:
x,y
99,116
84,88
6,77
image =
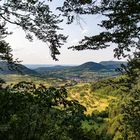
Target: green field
x,y
76,91
91,100
94,110
14,79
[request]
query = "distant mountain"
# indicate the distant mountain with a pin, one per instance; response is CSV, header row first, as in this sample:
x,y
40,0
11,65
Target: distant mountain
x,y
6,68
91,66
89,71
113,64
88,66
35,66
43,70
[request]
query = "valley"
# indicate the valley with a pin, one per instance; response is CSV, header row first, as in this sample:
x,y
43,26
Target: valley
x,y
78,80
87,72
89,96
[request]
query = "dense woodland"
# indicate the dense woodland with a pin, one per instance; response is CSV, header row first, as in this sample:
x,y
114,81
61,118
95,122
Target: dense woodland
x,y
108,109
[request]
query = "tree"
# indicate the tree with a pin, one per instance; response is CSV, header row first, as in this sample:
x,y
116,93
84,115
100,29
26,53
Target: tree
x,y
36,19
30,112
5,49
122,24
125,113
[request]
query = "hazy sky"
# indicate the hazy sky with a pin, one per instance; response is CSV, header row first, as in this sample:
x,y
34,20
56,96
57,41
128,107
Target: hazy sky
x,y
37,52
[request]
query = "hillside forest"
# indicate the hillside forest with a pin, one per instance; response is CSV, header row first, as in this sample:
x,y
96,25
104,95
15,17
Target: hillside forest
x,y
91,101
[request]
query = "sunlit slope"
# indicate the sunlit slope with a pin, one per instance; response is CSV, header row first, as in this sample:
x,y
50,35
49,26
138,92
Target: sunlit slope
x,y
82,92
14,78
6,68
91,100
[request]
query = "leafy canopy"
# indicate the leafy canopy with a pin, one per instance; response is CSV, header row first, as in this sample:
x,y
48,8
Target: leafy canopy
x,y
36,19
121,22
31,112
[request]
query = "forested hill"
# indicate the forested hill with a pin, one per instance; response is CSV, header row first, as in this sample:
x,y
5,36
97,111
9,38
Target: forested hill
x,y
88,71
91,66
43,70
113,64
88,66
6,68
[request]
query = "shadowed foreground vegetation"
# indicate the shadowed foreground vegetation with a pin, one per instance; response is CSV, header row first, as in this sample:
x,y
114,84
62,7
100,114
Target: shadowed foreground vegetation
x,y
30,112
33,112
103,110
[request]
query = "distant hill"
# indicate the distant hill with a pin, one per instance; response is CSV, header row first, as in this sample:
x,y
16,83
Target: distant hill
x,y
88,66
35,66
89,71
113,64
6,68
91,66
43,70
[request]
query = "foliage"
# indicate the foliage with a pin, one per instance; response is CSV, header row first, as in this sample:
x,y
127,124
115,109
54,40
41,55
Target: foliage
x,y
36,19
111,86
133,69
30,112
125,113
124,118
121,23
5,49
131,110
91,100
47,82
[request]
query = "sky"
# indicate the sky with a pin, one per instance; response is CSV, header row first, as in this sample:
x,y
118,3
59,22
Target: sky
x,y
37,52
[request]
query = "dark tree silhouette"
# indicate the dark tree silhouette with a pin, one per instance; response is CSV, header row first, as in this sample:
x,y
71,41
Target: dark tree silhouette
x,y
122,23
5,49
36,19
